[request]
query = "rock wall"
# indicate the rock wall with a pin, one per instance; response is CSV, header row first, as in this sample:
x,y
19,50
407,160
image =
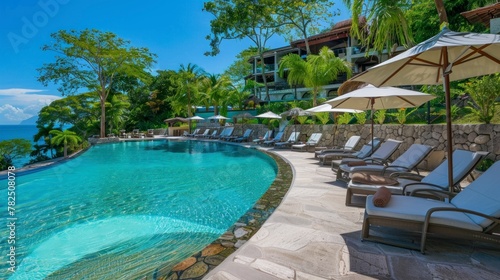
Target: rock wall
x,y
474,137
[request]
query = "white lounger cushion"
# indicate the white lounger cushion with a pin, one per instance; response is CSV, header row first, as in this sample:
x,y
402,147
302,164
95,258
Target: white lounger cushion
x,y
483,196
415,208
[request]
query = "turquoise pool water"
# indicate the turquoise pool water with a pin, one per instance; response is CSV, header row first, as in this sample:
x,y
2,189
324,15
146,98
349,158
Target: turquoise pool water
x,y
123,210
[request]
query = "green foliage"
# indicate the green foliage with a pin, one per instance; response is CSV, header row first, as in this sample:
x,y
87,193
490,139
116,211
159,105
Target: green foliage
x,y
80,111
401,115
344,118
65,138
485,164
239,19
300,19
186,84
379,116
94,60
484,91
301,119
360,117
240,68
387,25
323,117
12,149
315,72
424,19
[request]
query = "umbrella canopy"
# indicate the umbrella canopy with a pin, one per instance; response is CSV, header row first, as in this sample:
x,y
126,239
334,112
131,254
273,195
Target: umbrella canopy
x,y
373,98
328,108
218,117
446,57
269,115
196,118
295,112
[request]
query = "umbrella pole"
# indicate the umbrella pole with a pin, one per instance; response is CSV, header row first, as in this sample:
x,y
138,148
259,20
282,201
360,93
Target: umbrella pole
x,y
371,119
449,140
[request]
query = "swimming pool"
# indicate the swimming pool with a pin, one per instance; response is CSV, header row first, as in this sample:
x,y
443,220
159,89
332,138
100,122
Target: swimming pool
x,y
123,210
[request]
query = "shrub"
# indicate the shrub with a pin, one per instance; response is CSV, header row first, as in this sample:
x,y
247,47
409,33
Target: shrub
x,y
484,91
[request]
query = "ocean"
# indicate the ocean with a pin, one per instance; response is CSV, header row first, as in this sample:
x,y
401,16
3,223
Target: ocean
x,y
27,132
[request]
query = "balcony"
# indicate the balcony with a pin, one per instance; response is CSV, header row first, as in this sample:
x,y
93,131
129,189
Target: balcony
x,y
267,67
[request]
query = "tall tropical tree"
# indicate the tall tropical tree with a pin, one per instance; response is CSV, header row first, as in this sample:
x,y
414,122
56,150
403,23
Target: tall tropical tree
x,y
240,19
386,21
12,149
93,59
300,18
117,108
186,83
65,137
314,72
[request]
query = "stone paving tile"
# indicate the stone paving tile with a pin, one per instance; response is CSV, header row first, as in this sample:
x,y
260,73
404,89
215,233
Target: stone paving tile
x,y
314,235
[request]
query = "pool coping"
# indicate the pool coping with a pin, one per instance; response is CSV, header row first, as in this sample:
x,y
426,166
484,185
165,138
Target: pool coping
x,y
201,263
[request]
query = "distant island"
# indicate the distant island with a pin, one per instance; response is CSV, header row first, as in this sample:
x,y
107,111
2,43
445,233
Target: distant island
x,y
30,121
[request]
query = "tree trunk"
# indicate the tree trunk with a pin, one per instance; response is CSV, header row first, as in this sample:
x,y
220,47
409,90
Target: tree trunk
x,y
65,149
103,118
189,103
443,17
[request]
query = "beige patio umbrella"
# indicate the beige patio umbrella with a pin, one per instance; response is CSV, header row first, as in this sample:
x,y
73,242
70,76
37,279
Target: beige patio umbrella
x,y
268,115
446,57
328,108
374,98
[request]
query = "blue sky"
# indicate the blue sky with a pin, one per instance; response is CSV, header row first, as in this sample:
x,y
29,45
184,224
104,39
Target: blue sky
x,y
174,30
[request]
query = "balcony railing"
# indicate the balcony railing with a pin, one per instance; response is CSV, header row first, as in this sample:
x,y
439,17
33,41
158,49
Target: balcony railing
x,y
267,67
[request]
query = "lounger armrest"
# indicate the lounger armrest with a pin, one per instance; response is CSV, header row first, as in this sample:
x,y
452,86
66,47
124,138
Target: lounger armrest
x,y
495,221
397,167
407,175
378,161
431,185
439,194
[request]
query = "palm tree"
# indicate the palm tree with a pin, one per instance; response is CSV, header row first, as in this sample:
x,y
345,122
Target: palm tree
x,y
314,72
216,89
116,108
65,137
387,25
44,132
186,83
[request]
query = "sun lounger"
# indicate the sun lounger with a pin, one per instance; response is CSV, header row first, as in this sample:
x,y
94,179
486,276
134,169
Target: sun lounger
x,y
244,137
278,137
405,183
151,133
213,134
381,156
137,134
228,134
473,214
364,152
348,147
291,139
406,162
266,137
204,134
196,131
311,142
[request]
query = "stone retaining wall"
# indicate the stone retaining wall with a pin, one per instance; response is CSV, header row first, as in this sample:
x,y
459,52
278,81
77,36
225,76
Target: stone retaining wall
x,y
474,137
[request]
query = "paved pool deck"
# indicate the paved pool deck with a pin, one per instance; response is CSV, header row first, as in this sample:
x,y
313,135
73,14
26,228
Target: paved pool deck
x,y
313,235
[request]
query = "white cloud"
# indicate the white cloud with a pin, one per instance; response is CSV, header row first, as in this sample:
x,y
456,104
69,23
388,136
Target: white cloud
x,y
12,115
18,104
